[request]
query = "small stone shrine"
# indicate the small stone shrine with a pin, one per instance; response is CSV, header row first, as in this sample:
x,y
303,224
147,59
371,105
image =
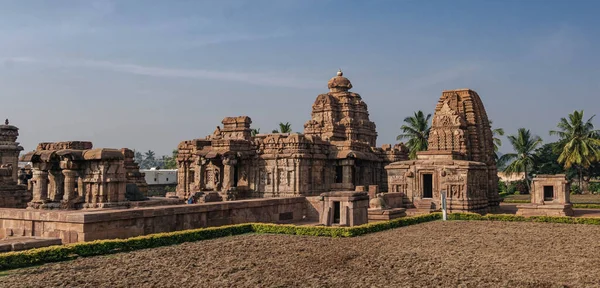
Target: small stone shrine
x,y
344,208
459,159
549,197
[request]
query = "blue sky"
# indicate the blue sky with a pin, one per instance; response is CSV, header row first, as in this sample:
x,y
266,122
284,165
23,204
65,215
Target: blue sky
x,y
149,74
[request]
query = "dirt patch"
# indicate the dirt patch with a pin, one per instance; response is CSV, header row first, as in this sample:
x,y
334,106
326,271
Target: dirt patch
x,y
450,254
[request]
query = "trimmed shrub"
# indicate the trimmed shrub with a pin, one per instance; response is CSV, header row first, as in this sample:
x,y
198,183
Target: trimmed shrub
x,y
38,256
586,206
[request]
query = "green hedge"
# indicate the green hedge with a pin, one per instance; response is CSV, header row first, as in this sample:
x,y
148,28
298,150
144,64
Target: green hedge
x,y
515,201
515,218
586,206
12,260
38,256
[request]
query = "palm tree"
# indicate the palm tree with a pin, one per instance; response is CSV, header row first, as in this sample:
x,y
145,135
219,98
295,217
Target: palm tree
x,y
497,142
284,128
255,132
524,144
416,130
579,144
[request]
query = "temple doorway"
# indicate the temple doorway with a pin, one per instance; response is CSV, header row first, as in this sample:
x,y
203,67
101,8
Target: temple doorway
x,y
427,185
336,212
548,193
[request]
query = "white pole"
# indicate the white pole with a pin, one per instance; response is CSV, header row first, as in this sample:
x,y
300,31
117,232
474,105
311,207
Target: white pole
x,y
444,213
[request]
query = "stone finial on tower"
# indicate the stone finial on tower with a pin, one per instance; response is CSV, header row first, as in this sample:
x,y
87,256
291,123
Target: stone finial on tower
x,y
5,121
340,73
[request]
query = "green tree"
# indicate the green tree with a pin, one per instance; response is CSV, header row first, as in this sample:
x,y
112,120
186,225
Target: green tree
x,y
284,128
578,143
416,130
497,142
255,132
170,162
523,159
138,157
149,160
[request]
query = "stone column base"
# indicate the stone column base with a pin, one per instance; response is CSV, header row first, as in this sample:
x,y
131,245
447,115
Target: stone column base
x,y
545,210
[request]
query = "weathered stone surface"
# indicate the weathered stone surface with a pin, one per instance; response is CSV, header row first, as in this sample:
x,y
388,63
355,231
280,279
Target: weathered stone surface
x,y
549,197
13,188
336,152
344,208
68,175
88,225
459,160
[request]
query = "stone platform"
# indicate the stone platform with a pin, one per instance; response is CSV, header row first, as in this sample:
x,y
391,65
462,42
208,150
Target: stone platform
x,y
545,210
24,243
386,214
87,225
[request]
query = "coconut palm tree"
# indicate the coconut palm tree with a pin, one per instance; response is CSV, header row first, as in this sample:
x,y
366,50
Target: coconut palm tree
x,y
255,132
497,142
579,144
284,128
523,159
416,130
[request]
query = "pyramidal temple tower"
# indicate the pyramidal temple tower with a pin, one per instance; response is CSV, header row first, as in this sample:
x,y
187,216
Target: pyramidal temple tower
x,y
341,115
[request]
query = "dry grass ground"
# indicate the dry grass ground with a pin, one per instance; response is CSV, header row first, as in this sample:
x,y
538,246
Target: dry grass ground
x,y
449,254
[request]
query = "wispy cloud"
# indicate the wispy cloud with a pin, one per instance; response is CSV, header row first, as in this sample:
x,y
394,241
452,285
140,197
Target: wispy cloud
x,y
272,80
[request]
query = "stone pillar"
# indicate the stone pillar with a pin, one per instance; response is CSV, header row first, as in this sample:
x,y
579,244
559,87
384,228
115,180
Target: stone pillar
x,y
40,185
56,184
228,170
69,184
201,167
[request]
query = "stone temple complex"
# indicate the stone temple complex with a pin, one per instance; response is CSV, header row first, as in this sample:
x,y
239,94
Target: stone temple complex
x,y
75,192
459,160
69,175
336,152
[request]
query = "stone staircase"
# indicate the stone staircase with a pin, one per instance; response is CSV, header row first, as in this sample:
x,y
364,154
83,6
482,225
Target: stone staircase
x,y
422,206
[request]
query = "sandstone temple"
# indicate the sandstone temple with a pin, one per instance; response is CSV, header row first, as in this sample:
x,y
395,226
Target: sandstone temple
x,y
459,161
330,174
337,151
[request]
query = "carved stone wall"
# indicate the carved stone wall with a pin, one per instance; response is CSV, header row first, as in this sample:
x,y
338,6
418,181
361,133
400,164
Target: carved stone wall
x,y
12,194
336,152
459,158
70,178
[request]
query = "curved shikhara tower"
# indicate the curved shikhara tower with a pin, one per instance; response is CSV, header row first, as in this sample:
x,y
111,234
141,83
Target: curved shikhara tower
x,y
460,124
459,160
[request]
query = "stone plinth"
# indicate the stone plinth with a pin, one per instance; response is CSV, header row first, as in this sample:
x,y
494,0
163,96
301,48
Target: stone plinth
x,y
545,210
344,208
386,214
549,197
88,225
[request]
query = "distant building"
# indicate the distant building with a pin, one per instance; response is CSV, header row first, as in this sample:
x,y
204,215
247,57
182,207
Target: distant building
x,y
504,177
160,177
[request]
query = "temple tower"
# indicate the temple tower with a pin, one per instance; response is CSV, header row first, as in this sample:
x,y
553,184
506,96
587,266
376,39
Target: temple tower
x,y
9,147
341,115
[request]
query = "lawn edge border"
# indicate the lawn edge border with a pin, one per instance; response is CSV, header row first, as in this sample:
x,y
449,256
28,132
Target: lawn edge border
x,y
38,256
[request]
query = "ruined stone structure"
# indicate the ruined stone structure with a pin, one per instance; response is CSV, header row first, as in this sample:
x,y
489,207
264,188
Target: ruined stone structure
x,y
549,197
12,195
132,172
336,152
73,175
344,208
459,160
